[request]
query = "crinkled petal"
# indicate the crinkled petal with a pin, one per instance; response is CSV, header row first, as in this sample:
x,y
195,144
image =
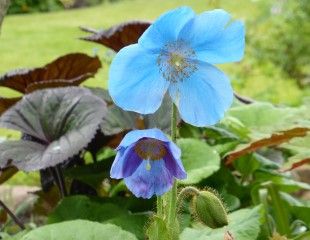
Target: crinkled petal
x,y
175,166
166,28
213,38
135,135
203,98
135,83
125,163
145,183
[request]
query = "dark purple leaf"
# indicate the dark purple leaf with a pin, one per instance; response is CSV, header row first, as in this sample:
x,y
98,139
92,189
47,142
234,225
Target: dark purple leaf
x,y
63,120
69,70
118,36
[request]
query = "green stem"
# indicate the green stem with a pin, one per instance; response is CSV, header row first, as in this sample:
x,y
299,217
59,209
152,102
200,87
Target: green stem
x,y
160,206
172,195
280,213
185,193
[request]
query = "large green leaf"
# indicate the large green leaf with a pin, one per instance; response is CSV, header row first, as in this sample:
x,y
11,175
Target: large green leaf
x,y
134,223
62,121
264,118
199,159
79,230
83,207
243,225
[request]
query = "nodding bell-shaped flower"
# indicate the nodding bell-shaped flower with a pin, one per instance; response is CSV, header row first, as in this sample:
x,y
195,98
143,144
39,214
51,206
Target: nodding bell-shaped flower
x,y
149,163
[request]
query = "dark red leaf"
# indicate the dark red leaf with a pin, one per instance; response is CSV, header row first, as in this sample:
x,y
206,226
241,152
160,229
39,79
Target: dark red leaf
x,y
69,70
118,36
6,103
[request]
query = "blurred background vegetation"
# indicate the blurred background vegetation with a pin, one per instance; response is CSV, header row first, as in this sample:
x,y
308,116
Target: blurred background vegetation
x,y
276,66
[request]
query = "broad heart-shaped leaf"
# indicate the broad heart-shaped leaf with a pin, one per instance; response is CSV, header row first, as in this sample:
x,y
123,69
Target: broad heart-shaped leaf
x,y
79,230
118,36
68,70
83,207
243,225
199,159
62,120
95,209
263,119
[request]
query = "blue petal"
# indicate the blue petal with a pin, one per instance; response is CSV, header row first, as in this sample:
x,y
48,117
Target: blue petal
x,y
145,183
203,98
174,165
125,163
213,38
135,83
166,28
135,135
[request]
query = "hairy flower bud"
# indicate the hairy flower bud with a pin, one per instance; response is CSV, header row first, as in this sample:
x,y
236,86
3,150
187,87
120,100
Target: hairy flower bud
x,y
209,209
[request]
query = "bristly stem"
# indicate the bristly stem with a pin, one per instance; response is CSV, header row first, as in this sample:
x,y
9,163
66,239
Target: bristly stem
x,y
184,194
172,195
160,206
16,220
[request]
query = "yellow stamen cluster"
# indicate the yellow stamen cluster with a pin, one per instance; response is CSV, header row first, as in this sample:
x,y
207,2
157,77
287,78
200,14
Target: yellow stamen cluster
x,y
176,61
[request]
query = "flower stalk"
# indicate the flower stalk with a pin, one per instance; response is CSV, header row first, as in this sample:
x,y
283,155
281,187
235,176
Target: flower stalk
x,y
172,224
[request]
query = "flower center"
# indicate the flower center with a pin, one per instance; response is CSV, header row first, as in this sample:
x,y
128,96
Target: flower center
x,y
175,61
150,149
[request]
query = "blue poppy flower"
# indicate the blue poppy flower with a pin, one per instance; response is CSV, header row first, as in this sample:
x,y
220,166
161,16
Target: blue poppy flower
x,y
176,54
149,163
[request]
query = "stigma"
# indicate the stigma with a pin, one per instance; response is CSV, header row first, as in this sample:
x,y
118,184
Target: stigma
x,y
176,61
150,149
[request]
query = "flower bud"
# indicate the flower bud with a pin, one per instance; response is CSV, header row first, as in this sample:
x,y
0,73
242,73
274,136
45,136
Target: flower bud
x,y
209,209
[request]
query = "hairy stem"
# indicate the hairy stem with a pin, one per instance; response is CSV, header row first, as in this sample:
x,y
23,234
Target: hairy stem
x,y
16,220
184,194
172,195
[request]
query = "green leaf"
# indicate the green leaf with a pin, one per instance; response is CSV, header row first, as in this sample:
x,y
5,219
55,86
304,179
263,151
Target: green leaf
x,y
134,223
243,225
302,213
283,182
199,159
83,207
18,236
77,230
61,122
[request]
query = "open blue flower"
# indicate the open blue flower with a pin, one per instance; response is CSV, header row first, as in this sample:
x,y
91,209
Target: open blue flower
x,y
176,54
149,163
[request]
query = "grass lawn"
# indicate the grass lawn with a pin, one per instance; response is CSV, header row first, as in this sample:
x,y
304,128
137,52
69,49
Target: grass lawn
x,y
35,39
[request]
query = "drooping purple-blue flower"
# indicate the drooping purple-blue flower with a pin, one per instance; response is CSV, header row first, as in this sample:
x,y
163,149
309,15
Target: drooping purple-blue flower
x,y
176,54
149,163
